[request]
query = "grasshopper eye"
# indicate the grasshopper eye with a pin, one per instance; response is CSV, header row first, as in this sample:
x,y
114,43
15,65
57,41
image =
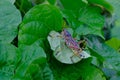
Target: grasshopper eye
x,y
80,55
66,33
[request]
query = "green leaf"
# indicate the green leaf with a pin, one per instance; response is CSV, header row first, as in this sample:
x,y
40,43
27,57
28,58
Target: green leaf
x,y
115,78
10,18
102,3
38,22
21,4
4,77
6,72
116,29
115,32
111,57
47,74
36,2
9,58
80,14
33,68
116,5
84,30
8,54
87,21
92,17
109,73
12,1
114,43
51,1
71,16
72,5
30,55
80,71
44,74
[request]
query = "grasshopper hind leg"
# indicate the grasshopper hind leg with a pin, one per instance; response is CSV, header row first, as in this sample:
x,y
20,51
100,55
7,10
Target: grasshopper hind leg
x,y
71,58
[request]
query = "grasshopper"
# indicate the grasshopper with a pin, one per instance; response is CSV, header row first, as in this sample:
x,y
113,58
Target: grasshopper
x,y
71,43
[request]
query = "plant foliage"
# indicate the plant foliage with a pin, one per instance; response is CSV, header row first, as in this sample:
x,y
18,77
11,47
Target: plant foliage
x,y
25,51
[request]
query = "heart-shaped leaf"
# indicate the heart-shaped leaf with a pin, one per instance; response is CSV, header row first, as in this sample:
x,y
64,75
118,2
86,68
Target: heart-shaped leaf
x,y
38,22
10,18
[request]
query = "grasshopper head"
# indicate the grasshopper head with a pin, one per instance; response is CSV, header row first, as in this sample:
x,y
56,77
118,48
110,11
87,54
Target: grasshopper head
x,y
66,33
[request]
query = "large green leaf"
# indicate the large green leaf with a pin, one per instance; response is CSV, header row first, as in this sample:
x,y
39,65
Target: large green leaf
x,y
8,54
70,10
115,78
70,17
102,3
116,29
12,1
44,74
111,57
30,55
9,58
72,5
116,5
47,74
92,17
6,72
87,21
93,20
80,71
21,4
51,1
10,18
86,18
38,22
84,30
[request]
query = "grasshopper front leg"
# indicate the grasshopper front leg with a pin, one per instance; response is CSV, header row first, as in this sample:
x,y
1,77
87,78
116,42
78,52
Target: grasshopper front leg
x,y
76,53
